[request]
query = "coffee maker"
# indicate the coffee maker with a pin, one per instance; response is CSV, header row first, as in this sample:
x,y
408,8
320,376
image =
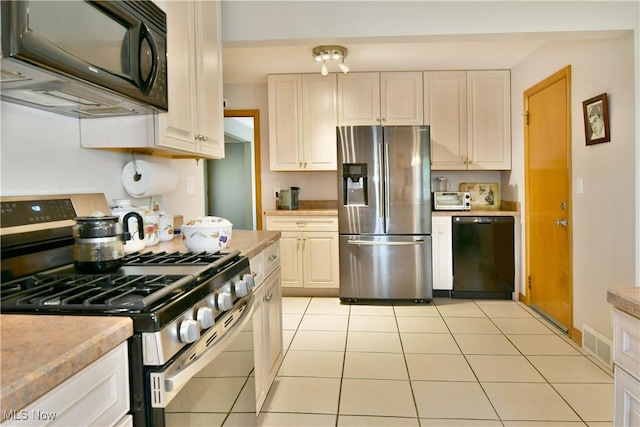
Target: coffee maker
x,y
288,199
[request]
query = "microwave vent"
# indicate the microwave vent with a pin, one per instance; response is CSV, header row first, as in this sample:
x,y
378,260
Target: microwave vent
x,y
107,112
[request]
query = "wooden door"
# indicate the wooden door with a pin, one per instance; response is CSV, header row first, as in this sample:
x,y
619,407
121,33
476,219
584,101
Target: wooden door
x,y
548,197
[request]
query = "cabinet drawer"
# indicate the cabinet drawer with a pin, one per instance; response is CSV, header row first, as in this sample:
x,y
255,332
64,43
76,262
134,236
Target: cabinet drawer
x,y
271,258
626,353
97,395
302,223
626,411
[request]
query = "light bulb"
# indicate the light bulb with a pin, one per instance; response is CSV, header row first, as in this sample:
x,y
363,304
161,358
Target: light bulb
x,y
343,67
324,71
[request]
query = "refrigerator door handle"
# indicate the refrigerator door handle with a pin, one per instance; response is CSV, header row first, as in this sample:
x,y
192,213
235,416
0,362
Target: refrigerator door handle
x,y
386,186
372,243
381,187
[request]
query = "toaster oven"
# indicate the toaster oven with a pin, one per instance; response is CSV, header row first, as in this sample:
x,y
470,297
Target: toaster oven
x,y
451,201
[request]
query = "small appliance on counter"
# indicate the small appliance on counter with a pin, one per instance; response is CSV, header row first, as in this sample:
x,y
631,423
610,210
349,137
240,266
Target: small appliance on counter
x,y
451,201
288,199
484,195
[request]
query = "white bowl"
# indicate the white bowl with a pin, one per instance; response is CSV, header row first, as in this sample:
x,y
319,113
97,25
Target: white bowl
x,y
207,233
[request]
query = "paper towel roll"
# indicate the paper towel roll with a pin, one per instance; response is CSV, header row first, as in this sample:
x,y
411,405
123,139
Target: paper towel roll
x,y
148,179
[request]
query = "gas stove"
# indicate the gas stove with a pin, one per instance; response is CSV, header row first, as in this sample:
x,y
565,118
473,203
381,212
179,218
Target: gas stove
x,y
182,304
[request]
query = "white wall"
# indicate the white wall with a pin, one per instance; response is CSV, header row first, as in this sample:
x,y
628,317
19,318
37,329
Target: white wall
x,y
604,251
41,154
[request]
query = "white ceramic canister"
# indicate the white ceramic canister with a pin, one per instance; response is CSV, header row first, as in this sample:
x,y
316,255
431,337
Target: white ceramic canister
x,y
151,226
166,227
120,208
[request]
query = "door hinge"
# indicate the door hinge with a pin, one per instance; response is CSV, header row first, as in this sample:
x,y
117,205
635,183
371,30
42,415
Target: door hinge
x,y
529,282
526,117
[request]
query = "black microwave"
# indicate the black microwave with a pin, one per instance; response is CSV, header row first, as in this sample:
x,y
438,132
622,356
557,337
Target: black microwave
x,y
85,58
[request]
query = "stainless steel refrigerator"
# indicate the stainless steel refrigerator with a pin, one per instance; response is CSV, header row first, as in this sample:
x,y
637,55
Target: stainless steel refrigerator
x,y
384,213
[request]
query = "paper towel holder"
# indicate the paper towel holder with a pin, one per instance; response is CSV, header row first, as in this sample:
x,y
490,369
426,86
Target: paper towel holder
x,y
137,175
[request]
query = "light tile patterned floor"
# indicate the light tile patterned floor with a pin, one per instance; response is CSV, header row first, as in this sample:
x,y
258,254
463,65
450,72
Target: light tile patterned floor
x,y
446,363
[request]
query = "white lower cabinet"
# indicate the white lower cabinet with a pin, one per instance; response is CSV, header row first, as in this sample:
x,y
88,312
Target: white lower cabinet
x,y
309,250
267,320
442,253
626,356
98,395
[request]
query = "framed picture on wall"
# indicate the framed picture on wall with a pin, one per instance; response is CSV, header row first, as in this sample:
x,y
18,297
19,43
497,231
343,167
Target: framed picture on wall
x,y
596,120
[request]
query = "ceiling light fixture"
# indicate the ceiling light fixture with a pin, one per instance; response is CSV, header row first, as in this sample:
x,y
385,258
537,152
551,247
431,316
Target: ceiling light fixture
x,y
330,53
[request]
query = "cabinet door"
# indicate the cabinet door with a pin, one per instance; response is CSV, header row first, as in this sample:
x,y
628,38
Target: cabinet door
x,y
291,259
359,99
209,79
285,121
177,128
445,111
259,347
319,121
442,255
401,97
273,311
320,259
626,411
489,123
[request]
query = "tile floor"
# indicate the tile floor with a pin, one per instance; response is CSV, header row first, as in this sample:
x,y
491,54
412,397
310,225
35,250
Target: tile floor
x,y
446,363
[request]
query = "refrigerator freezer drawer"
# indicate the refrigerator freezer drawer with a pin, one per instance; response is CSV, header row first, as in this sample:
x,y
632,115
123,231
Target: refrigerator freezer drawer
x,y
385,267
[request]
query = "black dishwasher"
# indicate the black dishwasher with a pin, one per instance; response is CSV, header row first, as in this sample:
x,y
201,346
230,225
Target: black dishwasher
x,y
483,257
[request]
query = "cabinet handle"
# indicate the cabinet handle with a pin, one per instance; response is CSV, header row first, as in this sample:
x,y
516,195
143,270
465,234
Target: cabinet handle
x,y
273,257
384,119
268,297
378,119
204,137
301,223
254,274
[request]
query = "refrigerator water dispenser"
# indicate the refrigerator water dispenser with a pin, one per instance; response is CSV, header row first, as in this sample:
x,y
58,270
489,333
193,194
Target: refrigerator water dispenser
x,y
354,185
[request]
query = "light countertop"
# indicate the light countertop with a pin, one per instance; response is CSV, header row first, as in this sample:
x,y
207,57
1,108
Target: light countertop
x,y
625,298
248,242
477,212
302,212
40,352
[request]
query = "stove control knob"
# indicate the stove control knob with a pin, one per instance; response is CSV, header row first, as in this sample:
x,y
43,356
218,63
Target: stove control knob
x,y
205,317
189,331
241,288
224,301
251,283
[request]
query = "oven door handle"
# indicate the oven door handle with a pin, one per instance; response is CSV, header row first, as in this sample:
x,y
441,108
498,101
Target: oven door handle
x,y
166,384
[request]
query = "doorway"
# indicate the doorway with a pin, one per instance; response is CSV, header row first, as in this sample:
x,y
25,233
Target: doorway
x,y
548,230
233,183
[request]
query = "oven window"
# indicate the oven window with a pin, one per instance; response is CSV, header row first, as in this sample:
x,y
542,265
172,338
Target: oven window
x,y
224,390
82,30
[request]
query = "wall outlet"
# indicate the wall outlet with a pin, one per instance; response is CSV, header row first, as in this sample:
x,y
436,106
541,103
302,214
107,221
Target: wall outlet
x,y
191,185
277,190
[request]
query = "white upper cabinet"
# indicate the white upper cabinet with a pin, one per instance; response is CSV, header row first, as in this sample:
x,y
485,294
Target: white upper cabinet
x,y
489,119
445,111
193,127
302,122
194,121
469,117
388,99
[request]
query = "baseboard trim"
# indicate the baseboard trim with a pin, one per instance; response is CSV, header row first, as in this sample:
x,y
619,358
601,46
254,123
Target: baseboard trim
x,y
576,336
310,292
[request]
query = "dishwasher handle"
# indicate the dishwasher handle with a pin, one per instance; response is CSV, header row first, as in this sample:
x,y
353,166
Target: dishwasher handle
x,y
481,219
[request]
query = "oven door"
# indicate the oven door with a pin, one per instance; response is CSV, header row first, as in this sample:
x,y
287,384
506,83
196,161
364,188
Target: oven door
x,y
214,381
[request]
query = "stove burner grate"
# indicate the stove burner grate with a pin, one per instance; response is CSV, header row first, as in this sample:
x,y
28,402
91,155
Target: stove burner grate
x,y
181,258
107,293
